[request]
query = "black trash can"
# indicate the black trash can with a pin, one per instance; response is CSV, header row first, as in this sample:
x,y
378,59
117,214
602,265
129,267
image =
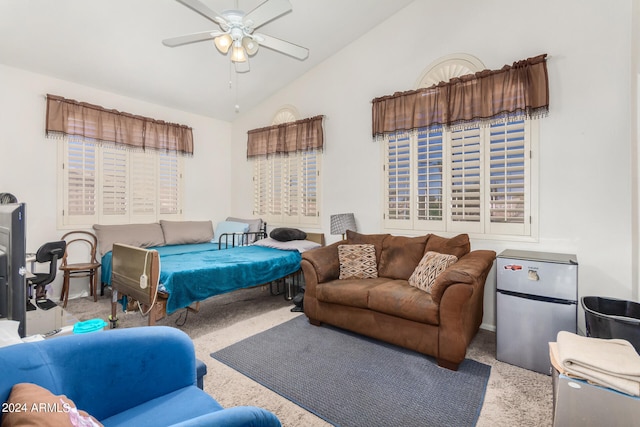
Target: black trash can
x,y
612,318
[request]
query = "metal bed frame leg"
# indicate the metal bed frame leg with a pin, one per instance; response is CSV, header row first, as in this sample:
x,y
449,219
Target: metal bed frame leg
x,y
288,286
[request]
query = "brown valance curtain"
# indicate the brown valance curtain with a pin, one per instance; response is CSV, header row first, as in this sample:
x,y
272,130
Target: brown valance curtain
x,y
70,117
511,93
301,135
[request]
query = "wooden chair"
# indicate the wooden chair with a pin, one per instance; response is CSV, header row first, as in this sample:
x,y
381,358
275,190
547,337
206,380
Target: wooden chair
x,y
88,269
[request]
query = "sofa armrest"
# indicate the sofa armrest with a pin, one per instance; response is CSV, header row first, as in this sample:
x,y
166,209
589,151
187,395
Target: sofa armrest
x,y
237,416
470,269
459,291
201,371
324,262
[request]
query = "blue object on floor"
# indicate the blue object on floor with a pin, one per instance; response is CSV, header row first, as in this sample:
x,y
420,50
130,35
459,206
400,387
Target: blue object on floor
x,y
87,326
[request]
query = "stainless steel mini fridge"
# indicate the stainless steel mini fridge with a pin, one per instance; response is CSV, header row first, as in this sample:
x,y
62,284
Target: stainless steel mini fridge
x,y
537,296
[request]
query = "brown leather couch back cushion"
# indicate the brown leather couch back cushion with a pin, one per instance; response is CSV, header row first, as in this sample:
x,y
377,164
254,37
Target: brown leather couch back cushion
x,y
400,256
458,245
354,238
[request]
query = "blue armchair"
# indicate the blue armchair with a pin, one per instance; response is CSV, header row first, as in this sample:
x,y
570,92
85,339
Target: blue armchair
x,y
137,376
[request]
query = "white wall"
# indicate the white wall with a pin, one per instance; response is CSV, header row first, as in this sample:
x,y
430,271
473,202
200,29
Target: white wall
x,y
28,159
585,143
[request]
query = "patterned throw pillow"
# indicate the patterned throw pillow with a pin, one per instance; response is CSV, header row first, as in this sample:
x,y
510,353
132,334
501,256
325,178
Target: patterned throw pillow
x,y
430,266
357,261
36,406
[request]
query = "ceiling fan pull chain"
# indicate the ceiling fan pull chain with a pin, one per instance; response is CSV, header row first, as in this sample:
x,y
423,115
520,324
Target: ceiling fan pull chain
x,y
237,107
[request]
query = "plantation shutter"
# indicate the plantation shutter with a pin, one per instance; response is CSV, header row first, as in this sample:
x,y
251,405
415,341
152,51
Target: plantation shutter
x,y
466,180
276,178
290,188
429,179
170,183
398,181
114,184
508,183
309,186
80,178
260,187
143,188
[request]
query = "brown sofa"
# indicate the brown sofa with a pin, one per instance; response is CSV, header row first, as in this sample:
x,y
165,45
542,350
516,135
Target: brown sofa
x,y
440,323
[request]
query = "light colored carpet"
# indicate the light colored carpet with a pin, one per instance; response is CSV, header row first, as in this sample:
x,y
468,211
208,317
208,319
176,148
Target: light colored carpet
x,y
515,396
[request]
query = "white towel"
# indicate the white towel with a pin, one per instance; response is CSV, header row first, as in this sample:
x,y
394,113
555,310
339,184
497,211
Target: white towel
x,y
611,363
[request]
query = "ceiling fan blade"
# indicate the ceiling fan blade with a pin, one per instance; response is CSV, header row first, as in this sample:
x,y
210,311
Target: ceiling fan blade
x,y
266,12
285,47
199,7
191,38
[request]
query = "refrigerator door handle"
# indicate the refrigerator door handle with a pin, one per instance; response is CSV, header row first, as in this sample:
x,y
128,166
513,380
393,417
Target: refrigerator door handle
x,y
537,297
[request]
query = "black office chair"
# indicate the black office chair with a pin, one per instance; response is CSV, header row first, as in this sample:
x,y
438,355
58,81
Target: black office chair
x,y
50,252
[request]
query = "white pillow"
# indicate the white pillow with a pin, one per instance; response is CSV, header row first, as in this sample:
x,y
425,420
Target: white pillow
x,y
229,227
292,245
255,225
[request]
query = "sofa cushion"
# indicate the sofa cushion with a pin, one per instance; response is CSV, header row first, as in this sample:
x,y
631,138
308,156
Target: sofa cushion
x,y
32,405
400,256
458,245
139,235
176,407
349,292
429,268
376,240
186,232
357,261
397,298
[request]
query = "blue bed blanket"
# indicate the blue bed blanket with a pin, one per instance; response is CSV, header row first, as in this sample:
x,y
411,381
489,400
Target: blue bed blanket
x,y
105,273
191,273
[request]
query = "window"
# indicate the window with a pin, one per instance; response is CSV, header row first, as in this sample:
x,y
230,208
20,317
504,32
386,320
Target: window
x,y
286,187
115,167
476,180
472,179
108,185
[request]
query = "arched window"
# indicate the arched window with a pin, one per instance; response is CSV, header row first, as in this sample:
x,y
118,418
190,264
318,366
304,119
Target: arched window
x,y
477,179
287,187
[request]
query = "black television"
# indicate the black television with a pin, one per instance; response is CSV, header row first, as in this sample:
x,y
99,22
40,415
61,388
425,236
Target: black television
x,y
12,264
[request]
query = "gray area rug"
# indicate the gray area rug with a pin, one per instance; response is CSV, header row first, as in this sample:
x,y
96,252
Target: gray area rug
x,y
351,380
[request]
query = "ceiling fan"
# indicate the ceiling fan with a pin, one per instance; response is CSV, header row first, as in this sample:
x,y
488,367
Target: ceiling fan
x,y
236,33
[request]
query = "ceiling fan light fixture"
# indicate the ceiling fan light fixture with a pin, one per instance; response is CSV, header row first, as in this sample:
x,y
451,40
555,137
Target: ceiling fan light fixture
x,y
250,45
223,43
238,53
237,31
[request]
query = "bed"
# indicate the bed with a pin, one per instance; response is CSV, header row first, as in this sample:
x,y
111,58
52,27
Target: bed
x,y
167,278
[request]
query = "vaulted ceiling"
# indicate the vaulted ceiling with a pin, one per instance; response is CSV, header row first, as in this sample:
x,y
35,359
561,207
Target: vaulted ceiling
x,y
116,46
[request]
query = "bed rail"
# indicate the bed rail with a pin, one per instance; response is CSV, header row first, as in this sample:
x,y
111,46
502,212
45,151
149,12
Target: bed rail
x,y
135,273
231,240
